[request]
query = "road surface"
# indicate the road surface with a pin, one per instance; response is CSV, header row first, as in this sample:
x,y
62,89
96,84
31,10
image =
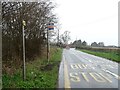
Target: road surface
x,y
82,70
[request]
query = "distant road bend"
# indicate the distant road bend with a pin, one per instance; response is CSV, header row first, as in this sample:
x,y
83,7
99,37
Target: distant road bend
x,y
82,70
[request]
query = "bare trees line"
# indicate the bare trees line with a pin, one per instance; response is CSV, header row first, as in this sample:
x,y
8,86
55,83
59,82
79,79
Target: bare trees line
x,y
37,16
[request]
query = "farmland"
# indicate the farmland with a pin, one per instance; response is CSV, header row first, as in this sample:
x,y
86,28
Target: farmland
x,y
109,53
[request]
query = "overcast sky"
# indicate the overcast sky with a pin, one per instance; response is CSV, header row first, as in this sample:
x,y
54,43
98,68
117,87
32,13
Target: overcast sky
x,y
89,20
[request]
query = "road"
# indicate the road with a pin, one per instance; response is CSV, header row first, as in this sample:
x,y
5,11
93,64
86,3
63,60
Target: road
x,y
82,70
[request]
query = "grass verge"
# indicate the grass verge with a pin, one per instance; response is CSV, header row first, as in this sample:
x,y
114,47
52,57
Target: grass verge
x,y
108,55
39,73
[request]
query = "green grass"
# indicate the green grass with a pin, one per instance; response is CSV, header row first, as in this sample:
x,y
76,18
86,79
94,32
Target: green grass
x,y
40,73
109,55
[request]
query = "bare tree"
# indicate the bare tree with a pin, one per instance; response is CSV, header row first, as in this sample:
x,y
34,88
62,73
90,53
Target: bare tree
x,y
65,37
37,16
84,43
94,44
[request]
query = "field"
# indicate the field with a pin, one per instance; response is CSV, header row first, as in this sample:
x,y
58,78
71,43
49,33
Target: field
x,y
111,54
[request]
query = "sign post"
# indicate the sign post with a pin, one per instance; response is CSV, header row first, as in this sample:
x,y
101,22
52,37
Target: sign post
x,y
47,46
24,68
50,27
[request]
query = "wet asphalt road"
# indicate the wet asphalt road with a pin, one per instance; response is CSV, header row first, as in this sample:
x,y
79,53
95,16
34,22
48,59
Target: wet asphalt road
x,y
82,70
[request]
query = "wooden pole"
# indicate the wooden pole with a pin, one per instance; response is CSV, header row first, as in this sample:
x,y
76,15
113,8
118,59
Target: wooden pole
x,y
24,68
47,45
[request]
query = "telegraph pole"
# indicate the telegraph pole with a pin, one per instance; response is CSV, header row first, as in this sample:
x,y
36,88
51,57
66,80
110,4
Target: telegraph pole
x,y
24,68
47,45
58,37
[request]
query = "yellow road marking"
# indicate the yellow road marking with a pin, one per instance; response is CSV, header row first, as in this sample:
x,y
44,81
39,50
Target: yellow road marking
x,y
92,75
79,66
105,78
74,66
85,77
74,77
66,77
84,66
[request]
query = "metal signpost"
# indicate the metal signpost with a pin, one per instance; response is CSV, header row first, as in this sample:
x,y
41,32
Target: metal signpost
x,y
24,68
50,27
